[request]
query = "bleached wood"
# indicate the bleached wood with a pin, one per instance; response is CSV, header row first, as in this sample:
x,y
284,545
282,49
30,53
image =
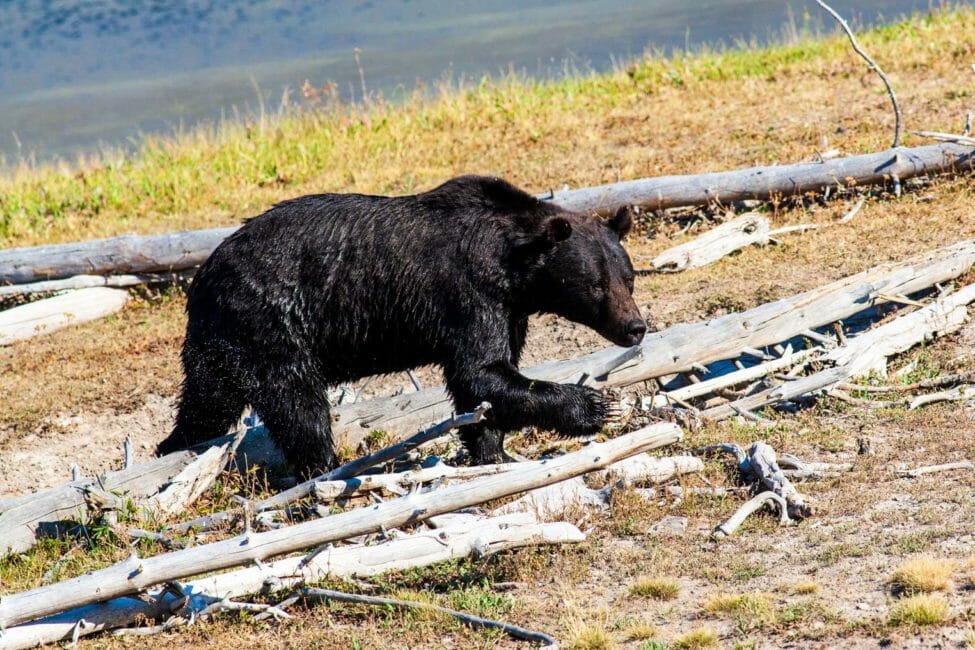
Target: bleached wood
x,y
466,535
746,230
194,479
400,482
646,469
679,348
132,254
52,314
956,394
706,387
933,469
135,575
763,183
23,519
864,353
756,503
86,281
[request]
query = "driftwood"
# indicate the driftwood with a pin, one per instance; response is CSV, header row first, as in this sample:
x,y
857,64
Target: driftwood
x,y
683,347
764,183
933,469
865,353
956,394
348,470
168,484
52,314
87,281
137,574
726,238
464,536
132,254
756,503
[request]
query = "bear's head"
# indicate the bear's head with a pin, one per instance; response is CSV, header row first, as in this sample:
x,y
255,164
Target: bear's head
x,y
584,273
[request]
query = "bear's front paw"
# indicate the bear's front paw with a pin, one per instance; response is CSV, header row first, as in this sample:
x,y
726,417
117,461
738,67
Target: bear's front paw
x,y
592,410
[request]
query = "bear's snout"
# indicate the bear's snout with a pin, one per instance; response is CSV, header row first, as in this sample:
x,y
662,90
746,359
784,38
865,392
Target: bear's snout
x,y
635,330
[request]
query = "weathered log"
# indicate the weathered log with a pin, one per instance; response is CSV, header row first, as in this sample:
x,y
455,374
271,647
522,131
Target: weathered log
x,y
764,183
116,255
182,250
746,230
862,354
464,536
52,314
87,281
682,347
172,480
136,575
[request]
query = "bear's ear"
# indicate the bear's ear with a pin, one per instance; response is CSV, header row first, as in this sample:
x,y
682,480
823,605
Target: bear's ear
x,y
622,222
557,229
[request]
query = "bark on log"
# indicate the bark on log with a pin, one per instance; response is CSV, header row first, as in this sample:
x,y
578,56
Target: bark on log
x,y
464,536
681,347
182,250
136,575
722,240
52,314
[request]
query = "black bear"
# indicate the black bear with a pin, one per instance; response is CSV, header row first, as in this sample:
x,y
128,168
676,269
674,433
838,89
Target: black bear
x,y
329,288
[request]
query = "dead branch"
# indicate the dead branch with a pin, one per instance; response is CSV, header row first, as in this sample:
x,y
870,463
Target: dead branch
x,y
956,394
463,536
350,469
52,314
87,281
136,574
948,137
726,238
476,622
932,469
935,382
756,503
873,65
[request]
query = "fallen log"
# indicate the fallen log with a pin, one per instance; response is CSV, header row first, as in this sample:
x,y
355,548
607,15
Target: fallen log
x,y
862,354
182,250
169,483
464,536
746,230
683,347
764,183
52,314
87,281
137,574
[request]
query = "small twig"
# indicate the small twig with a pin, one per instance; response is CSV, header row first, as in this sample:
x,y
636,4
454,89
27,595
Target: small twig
x,y
601,370
936,382
931,469
947,137
902,300
477,622
416,382
853,211
873,65
159,538
802,227
956,394
127,453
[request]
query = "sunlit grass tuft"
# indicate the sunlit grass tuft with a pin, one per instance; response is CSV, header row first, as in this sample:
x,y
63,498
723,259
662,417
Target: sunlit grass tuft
x,y
919,610
923,575
657,588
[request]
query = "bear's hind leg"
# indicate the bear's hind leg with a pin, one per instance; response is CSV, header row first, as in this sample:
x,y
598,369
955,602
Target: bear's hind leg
x,y
297,417
208,406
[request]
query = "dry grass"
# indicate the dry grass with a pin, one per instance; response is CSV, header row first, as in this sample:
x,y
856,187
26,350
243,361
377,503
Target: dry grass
x,y
657,588
805,588
923,575
750,611
695,640
919,610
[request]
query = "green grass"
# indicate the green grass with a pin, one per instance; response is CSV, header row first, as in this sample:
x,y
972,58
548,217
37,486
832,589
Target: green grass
x,y
218,174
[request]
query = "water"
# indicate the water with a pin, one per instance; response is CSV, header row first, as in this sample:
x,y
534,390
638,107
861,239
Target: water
x,y
77,75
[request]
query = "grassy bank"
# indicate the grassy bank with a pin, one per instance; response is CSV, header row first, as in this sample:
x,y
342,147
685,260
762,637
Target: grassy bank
x,y
658,115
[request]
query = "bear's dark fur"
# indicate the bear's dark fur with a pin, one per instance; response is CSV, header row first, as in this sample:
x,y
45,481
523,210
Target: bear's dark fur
x,y
329,288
